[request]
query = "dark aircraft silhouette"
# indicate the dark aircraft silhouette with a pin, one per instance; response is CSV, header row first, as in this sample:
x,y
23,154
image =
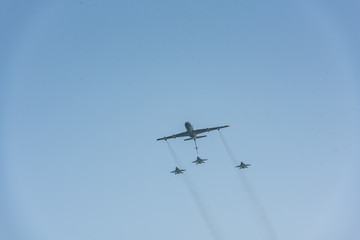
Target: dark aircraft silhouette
x,y
243,165
191,132
199,160
178,171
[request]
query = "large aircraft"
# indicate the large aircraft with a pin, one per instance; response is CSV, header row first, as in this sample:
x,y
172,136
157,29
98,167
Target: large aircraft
x,y
178,171
199,160
243,165
191,132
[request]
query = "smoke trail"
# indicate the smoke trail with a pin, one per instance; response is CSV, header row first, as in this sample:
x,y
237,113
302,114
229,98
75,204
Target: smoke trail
x,y
201,207
250,192
177,161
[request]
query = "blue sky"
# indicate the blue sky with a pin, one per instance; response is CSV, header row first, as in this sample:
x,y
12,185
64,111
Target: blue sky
x,y
86,87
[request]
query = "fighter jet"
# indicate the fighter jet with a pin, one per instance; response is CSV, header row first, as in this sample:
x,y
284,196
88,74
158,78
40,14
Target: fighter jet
x,y
178,171
243,165
199,160
192,133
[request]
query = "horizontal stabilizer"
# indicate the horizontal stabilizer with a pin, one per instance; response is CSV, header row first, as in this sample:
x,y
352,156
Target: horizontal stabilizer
x,y
201,136
197,137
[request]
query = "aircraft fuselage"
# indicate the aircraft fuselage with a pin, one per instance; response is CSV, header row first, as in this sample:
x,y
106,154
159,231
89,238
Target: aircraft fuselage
x,y
189,129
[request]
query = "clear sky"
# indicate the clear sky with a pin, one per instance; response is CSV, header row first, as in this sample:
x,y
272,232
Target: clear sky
x,y
87,86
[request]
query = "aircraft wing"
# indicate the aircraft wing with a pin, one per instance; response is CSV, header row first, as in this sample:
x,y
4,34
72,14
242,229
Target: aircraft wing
x,y
183,134
202,130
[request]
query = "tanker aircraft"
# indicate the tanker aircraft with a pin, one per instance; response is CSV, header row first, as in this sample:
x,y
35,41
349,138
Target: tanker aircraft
x,y
192,133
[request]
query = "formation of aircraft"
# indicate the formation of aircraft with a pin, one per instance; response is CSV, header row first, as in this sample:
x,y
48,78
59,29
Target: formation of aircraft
x,y
199,160
178,171
192,134
243,165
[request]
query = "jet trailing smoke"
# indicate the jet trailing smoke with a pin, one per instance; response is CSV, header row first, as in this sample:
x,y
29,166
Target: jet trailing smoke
x,y
197,199
251,193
